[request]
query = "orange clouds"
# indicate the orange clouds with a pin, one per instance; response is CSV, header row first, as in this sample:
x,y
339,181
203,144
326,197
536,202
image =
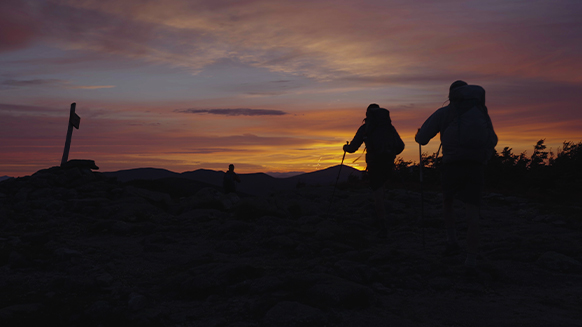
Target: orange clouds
x,y
273,85
296,142
323,40
303,141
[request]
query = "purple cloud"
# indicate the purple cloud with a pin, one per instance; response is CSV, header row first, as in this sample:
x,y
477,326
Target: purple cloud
x,y
33,82
18,27
11,83
235,112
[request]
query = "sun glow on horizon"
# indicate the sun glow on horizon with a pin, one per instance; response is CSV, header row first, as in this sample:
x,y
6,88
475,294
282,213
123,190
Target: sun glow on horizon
x,y
272,86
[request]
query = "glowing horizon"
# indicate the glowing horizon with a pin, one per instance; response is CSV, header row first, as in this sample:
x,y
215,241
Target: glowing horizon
x,y
272,87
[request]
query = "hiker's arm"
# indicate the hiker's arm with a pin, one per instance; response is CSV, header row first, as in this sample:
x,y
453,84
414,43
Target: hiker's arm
x,y
429,129
493,137
354,145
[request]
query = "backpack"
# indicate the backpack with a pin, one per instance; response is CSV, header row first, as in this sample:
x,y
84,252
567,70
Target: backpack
x,y
469,135
380,136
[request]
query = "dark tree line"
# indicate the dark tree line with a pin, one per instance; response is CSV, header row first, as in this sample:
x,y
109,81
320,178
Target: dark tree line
x,y
542,173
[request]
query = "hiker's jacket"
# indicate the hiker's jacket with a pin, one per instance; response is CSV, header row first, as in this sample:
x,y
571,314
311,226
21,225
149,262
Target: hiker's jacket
x,y
468,144
361,137
228,181
355,144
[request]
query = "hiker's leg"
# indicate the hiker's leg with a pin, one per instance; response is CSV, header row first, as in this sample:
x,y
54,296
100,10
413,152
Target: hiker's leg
x,y
381,217
449,180
449,218
380,208
472,205
472,233
379,171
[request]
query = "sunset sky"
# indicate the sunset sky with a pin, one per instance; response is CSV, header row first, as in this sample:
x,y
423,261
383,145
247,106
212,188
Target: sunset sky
x,y
273,86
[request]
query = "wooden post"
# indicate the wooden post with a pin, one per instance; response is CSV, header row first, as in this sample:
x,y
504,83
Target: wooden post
x,y
74,121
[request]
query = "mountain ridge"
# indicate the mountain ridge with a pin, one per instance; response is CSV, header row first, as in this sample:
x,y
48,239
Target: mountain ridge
x,y
251,183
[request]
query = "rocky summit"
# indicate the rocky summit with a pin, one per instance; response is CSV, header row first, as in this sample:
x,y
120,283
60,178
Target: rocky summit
x,y
79,248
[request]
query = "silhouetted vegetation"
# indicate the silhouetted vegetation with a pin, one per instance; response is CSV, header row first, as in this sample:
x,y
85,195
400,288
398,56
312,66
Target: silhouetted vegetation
x,y
544,174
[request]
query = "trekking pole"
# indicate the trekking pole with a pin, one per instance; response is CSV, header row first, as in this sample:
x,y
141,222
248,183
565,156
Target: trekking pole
x,y
337,179
437,155
421,194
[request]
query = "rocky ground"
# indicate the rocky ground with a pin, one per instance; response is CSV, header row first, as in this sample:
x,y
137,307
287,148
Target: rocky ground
x,y
80,249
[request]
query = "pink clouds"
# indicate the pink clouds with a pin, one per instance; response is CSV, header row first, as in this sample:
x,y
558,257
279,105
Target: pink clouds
x,y
18,26
11,83
235,112
34,137
287,142
325,40
308,68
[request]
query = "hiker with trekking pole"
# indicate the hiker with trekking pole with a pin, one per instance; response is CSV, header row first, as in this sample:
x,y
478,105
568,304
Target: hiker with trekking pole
x,y
468,142
383,144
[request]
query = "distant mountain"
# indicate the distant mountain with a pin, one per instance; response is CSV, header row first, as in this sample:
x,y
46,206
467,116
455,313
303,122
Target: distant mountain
x,y
141,173
285,175
4,178
327,176
262,184
205,175
255,183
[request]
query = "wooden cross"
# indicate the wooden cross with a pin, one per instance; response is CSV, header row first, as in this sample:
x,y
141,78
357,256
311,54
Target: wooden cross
x,y
74,121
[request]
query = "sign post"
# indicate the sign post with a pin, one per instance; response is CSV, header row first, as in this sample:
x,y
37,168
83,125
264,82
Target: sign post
x,y
74,121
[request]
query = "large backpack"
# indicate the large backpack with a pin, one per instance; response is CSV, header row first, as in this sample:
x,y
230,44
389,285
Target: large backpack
x,y
381,137
468,134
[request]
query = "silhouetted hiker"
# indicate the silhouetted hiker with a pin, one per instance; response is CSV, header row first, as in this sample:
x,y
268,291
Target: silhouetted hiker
x,y
230,179
468,141
382,145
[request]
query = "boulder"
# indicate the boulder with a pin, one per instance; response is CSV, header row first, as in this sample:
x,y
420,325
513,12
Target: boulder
x,y
80,163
